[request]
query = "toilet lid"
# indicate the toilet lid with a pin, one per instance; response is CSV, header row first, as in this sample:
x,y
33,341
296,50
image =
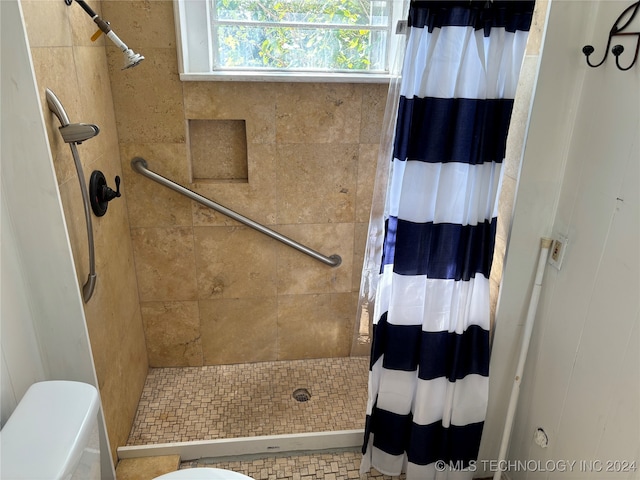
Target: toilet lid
x,y
203,474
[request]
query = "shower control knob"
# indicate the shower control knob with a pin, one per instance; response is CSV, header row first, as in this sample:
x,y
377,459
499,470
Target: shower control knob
x,y
100,193
108,194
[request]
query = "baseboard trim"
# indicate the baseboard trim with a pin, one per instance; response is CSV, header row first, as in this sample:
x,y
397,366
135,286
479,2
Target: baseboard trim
x,y
233,447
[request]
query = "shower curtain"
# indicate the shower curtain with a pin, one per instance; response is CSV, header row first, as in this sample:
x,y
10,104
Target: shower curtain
x,y
428,379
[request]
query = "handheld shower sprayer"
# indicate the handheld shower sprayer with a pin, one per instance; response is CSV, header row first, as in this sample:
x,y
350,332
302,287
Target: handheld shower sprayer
x,y
131,59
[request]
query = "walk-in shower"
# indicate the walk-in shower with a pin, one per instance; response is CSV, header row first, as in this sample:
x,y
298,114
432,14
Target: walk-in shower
x,y
255,407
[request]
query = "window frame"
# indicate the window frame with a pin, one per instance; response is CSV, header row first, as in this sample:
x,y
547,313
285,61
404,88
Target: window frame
x,y
194,54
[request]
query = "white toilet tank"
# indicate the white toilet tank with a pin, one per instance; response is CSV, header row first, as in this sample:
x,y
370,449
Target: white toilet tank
x,y
52,434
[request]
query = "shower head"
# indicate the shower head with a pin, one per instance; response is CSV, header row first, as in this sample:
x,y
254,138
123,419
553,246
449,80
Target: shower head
x,y
78,132
71,132
131,59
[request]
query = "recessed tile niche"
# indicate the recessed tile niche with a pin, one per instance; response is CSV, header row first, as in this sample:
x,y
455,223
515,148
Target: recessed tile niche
x,y
218,150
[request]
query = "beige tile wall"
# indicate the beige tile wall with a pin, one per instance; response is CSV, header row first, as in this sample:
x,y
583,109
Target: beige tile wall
x,y
67,62
213,291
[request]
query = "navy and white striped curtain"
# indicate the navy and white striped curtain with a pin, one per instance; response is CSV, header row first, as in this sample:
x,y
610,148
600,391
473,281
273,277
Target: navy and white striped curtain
x,y
428,380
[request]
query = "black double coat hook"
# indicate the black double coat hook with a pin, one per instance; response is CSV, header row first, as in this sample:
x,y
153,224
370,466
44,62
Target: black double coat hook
x,y
618,30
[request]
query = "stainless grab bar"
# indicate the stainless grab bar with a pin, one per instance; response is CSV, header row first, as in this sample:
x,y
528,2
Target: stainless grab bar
x,y
139,165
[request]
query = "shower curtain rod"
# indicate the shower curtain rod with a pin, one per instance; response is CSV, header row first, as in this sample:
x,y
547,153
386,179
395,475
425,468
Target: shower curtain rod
x,y
139,165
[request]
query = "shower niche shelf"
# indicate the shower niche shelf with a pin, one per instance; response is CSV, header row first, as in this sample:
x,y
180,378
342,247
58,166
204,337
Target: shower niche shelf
x,y
218,151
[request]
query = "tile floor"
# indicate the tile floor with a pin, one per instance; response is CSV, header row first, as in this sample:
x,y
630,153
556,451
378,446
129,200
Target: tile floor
x,y
339,465
243,400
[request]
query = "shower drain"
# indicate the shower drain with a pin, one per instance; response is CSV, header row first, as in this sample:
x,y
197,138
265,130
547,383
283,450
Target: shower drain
x,y
301,395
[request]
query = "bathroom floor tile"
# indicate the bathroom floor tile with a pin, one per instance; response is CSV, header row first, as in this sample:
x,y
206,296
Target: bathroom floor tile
x,y
339,465
146,468
243,400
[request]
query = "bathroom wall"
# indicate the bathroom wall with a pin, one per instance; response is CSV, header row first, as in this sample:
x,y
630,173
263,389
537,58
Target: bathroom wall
x,y
215,292
66,61
43,329
579,178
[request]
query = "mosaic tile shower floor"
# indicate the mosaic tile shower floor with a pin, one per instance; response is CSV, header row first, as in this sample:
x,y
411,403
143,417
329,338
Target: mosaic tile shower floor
x,y
229,401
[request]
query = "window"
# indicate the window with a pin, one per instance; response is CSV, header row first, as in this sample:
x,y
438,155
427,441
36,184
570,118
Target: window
x,y
330,40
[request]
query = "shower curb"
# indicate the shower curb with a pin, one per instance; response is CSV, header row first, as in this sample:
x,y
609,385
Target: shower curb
x,y
232,447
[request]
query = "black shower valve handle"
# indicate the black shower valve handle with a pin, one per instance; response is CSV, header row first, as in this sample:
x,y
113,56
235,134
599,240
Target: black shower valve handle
x,y
100,194
107,192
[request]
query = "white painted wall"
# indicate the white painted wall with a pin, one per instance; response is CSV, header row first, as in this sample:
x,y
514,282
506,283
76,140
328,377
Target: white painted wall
x,y
580,178
21,360
44,335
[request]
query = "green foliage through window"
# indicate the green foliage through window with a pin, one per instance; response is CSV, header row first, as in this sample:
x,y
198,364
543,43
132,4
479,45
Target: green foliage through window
x,y
305,35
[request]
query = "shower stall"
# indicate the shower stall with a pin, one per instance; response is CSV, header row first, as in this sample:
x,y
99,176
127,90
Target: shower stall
x,y
246,337
231,406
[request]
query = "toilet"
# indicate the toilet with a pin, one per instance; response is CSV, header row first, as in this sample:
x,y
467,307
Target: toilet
x,y
52,434
203,474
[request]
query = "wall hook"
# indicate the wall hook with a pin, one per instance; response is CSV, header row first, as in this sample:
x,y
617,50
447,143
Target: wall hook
x,y
616,30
